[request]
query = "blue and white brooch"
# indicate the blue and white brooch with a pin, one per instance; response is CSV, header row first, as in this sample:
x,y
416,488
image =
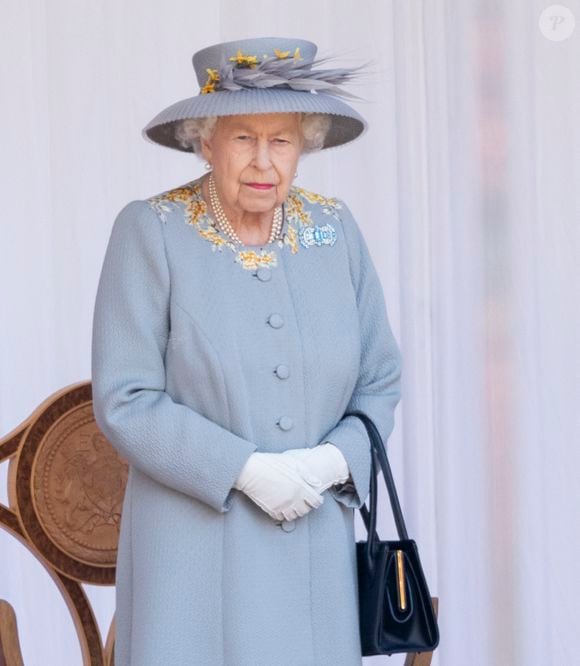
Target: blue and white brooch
x,y
317,235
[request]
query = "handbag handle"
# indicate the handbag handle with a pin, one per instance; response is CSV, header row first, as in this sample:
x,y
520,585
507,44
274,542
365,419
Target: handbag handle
x,y
370,518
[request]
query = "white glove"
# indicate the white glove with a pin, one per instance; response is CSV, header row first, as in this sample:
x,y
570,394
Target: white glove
x,y
279,485
326,462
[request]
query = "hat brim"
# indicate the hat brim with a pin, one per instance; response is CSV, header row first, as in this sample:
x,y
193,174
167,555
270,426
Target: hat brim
x,y
347,124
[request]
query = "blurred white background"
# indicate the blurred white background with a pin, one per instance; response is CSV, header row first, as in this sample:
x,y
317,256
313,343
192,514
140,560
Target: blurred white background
x,y
467,187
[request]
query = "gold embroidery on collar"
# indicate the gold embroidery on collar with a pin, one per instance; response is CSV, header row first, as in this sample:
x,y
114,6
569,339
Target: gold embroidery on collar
x,y
196,215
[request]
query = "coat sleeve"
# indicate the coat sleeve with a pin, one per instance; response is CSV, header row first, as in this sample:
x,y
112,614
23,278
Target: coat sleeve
x,y
166,440
377,390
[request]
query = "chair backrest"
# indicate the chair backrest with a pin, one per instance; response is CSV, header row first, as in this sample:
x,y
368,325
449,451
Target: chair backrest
x,y
65,488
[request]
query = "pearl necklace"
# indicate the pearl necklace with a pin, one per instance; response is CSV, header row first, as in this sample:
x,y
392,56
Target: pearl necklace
x,y
224,223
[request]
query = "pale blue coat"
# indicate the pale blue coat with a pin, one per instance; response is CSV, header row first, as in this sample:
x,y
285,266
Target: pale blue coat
x,y
202,355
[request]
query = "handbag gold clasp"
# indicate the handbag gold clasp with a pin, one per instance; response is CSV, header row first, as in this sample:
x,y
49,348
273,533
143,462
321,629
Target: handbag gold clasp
x,y
402,592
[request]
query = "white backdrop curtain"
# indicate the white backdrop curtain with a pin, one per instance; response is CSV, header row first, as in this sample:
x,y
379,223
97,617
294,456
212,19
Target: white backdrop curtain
x,y
466,187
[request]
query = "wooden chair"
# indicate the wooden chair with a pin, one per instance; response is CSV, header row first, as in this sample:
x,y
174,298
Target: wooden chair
x,y
65,491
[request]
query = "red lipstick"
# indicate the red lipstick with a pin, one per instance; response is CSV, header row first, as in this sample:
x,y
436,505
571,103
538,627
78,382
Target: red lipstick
x,y
260,186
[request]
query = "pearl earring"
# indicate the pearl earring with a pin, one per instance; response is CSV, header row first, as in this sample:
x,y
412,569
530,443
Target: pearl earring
x,y
207,165
295,174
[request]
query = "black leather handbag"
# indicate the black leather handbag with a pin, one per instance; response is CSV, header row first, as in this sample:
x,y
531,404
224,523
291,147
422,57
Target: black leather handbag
x,y
395,609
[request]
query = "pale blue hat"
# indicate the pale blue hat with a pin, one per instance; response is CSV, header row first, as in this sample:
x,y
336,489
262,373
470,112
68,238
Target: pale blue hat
x,y
262,75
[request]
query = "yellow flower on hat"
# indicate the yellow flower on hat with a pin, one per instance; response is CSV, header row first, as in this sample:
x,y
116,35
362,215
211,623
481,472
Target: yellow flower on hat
x,y
213,78
284,54
213,74
281,54
242,59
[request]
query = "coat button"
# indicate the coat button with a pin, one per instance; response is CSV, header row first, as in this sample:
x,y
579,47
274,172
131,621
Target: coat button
x,y
275,320
264,273
286,422
288,525
283,371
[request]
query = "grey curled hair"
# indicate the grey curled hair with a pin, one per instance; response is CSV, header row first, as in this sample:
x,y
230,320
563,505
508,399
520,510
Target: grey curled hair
x,y
190,131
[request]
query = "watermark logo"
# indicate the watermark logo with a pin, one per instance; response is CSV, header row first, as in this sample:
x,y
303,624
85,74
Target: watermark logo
x,y
557,23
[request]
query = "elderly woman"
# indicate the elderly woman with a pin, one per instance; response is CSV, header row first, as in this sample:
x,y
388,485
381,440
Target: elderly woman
x,y
237,318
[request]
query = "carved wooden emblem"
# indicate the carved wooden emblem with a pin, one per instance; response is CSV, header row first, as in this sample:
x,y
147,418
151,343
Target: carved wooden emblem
x,y
79,482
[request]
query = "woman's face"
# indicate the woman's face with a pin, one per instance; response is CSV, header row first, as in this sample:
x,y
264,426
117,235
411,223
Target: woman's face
x,y
254,148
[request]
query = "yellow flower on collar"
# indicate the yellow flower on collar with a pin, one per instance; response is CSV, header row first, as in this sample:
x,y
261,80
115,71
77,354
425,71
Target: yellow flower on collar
x,y
251,260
